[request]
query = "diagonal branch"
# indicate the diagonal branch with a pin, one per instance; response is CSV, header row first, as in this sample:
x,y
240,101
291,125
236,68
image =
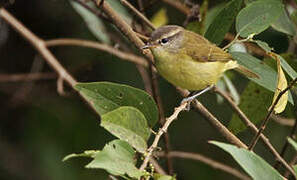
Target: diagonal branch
x,y
103,47
206,160
256,137
161,131
250,125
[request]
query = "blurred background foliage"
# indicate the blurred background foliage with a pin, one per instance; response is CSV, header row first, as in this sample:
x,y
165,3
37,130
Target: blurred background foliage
x,y
39,127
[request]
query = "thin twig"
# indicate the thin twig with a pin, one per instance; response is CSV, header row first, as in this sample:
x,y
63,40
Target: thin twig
x,y
138,14
292,163
264,123
157,166
250,125
40,46
161,131
25,77
214,121
178,5
125,29
97,13
283,121
286,145
103,47
206,160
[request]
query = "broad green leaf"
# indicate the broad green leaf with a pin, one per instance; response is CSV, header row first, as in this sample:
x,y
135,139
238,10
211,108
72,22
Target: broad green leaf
x,y
128,124
257,16
94,24
212,14
284,24
163,177
291,72
293,143
253,164
223,21
88,153
254,100
263,45
281,85
117,158
160,18
107,96
268,76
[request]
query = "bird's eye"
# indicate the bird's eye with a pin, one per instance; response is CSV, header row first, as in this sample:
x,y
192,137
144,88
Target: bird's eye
x,y
164,40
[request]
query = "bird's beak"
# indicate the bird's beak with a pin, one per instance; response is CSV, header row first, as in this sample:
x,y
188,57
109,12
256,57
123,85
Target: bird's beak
x,y
148,46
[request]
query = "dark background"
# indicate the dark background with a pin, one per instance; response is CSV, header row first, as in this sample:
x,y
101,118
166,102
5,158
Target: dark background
x,y
38,127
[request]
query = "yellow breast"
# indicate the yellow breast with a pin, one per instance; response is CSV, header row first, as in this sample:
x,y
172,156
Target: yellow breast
x,y
186,73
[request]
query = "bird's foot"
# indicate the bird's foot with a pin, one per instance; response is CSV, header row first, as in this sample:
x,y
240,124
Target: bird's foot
x,y
193,96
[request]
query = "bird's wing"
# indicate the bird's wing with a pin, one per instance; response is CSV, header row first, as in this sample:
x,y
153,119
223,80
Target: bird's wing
x,y
207,53
200,49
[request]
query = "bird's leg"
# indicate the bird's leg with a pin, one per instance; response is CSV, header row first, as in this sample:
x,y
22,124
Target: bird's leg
x,y
194,95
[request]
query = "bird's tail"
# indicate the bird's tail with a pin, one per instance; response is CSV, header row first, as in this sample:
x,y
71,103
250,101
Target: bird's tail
x,y
245,71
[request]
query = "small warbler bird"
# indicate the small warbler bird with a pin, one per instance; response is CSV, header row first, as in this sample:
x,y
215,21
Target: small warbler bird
x,y
188,60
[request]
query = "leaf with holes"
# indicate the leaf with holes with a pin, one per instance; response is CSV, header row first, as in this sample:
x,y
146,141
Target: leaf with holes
x,y
107,96
117,158
128,124
257,16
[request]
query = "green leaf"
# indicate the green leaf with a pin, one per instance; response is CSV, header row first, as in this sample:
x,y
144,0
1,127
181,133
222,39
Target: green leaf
x,y
293,143
263,45
254,100
117,158
253,164
284,24
129,124
88,153
268,76
94,24
291,72
163,177
257,16
107,96
212,14
223,21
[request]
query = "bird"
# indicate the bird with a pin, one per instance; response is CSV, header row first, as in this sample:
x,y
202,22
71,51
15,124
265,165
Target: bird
x,y
188,60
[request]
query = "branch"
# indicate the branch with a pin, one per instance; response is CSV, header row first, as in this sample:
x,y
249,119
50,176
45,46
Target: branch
x,y
178,5
125,29
214,121
263,125
138,14
161,131
103,47
250,125
40,46
283,121
157,167
206,160
26,77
